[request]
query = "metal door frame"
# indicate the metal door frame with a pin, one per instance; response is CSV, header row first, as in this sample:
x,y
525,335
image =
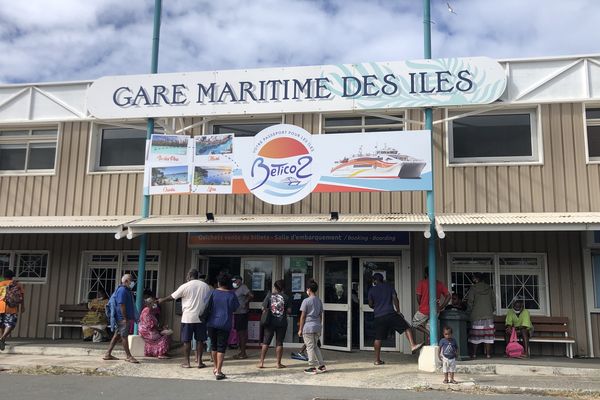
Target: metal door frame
x,y
337,307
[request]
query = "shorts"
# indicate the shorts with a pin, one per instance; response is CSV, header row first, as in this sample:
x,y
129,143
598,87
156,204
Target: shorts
x,y
8,320
218,339
420,319
448,365
387,323
122,328
240,322
278,332
197,330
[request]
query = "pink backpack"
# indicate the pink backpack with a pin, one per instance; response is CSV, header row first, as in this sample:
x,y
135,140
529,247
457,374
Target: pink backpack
x,y
513,348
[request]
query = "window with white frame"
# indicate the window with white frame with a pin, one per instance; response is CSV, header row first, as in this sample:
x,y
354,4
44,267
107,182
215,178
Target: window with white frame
x,y
119,148
102,271
28,150
494,137
592,124
511,275
28,266
241,128
596,278
362,123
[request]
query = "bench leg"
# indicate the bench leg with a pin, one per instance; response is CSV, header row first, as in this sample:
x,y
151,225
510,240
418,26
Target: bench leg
x,y
53,333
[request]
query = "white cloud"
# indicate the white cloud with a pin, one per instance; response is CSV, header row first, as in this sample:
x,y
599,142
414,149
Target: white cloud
x,y
72,39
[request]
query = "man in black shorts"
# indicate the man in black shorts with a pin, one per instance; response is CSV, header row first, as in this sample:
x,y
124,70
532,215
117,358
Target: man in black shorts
x,y
386,310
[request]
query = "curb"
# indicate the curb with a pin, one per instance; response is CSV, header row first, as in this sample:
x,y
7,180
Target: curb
x,y
527,370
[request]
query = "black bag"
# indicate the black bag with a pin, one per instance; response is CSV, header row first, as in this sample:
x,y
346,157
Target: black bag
x,y
265,318
205,314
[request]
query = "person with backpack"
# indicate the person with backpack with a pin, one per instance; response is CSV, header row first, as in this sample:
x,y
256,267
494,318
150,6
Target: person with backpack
x,y
447,355
276,308
12,304
120,311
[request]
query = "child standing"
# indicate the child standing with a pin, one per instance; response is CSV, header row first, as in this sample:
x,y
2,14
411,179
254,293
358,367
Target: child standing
x,y
310,328
447,355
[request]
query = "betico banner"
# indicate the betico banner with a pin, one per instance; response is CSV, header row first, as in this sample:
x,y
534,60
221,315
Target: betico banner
x,y
377,85
284,163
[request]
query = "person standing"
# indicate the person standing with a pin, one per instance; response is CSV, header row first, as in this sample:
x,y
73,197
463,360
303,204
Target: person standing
x,y
224,303
277,304
193,294
383,299
122,312
447,355
12,304
310,328
240,317
421,318
481,305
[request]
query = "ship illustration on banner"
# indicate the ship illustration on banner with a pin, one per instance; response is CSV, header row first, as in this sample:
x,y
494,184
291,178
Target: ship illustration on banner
x,y
284,163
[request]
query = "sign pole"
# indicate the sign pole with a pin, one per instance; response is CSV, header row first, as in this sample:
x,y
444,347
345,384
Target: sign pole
x,y
149,131
433,317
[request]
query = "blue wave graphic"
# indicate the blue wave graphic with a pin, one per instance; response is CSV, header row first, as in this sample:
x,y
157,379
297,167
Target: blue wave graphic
x,y
385,184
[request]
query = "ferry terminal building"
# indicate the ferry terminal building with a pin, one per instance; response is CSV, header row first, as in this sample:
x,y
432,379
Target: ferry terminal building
x,y
517,197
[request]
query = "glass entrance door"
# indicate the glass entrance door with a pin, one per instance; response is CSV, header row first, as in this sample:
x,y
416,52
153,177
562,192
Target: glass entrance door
x,y
337,317
258,276
389,268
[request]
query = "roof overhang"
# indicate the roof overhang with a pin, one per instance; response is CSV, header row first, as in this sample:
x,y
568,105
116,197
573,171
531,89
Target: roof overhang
x,y
575,221
279,223
64,224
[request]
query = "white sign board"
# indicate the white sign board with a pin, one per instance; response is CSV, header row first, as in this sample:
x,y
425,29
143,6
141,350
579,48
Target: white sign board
x,y
343,87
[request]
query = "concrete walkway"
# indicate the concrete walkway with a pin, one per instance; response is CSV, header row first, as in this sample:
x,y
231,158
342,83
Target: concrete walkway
x,y
536,376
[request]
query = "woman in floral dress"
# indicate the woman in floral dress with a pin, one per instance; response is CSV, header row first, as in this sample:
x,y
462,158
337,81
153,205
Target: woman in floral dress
x,y
157,339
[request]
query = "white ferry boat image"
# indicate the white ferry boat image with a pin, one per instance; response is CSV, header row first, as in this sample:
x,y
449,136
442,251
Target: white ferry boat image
x,y
384,162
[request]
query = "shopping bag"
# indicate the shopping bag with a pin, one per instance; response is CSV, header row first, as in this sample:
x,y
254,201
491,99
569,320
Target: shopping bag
x,y
513,348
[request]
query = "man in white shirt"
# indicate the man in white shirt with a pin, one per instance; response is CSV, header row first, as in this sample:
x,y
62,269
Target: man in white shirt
x,y
193,294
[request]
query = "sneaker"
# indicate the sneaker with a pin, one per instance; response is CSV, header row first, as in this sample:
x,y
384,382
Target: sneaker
x,y
299,356
311,371
2,345
322,369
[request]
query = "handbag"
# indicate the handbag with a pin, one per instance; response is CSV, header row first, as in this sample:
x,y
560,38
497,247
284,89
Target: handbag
x,y
513,348
265,318
205,314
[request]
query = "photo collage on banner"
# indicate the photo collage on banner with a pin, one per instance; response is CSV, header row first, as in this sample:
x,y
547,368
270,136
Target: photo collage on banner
x,y
168,164
213,164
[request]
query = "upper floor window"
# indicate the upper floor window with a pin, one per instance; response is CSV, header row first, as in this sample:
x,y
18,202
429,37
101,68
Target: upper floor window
x,y
242,128
120,148
28,150
592,116
495,137
351,124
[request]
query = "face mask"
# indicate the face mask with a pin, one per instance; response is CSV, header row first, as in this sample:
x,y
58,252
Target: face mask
x,y
374,284
155,306
236,285
131,284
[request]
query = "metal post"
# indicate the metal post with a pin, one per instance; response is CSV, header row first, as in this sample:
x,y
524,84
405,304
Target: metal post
x,y
433,318
149,131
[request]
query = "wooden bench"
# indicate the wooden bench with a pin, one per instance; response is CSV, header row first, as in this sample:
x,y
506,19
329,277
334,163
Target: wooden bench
x,y
545,330
69,316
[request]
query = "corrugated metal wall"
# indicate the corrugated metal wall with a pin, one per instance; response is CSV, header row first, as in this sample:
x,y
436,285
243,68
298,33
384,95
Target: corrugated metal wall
x,y
564,258
596,333
64,275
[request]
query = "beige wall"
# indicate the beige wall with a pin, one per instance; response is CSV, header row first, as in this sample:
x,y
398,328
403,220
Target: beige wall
x,y
64,275
595,322
566,282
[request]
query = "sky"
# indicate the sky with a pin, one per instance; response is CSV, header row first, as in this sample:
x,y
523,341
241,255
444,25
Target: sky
x,y
66,40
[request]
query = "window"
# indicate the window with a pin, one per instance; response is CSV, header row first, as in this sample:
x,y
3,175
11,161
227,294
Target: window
x,y
592,116
28,266
241,128
494,138
350,124
103,271
28,150
511,276
120,148
596,278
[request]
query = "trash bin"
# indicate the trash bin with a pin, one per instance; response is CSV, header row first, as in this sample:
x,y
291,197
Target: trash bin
x,y
457,320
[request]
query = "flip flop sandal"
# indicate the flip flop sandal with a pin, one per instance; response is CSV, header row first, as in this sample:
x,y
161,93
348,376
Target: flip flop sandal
x,y
446,381
380,362
200,366
186,366
132,360
453,381
110,358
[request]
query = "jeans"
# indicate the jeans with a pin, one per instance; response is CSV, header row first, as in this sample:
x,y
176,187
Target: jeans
x,y
315,358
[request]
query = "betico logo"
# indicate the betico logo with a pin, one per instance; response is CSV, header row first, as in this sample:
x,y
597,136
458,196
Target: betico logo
x,y
282,165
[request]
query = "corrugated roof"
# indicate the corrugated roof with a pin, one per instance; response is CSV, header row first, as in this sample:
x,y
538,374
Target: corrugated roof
x,y
64,224
520,221
257,223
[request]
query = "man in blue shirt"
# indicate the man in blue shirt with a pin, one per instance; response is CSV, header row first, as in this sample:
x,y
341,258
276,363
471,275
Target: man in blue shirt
x,y
122,309
387,317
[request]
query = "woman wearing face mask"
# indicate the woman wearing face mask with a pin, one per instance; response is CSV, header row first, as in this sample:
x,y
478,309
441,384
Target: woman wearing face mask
x,y
157,338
